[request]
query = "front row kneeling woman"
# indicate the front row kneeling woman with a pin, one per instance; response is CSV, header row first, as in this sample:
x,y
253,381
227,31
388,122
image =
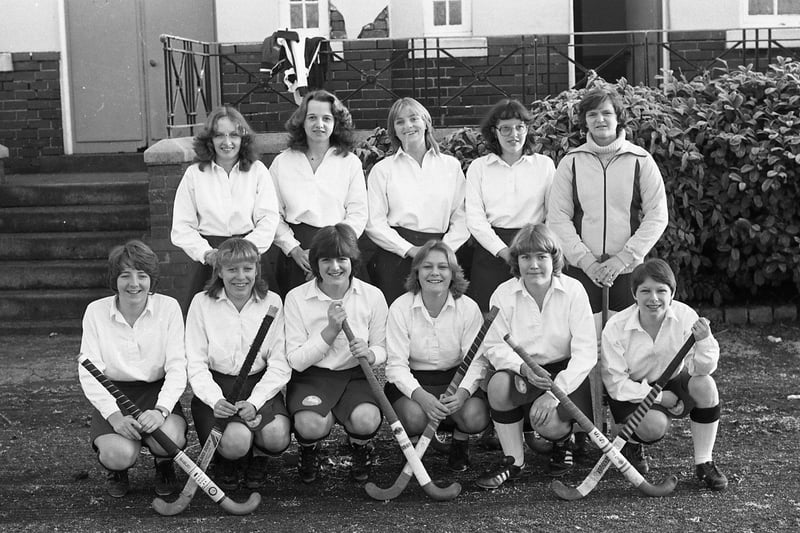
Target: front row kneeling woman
x,y
220,327
430,329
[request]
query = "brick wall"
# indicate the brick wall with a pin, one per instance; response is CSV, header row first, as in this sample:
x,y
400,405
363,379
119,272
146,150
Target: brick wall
x,y
30,109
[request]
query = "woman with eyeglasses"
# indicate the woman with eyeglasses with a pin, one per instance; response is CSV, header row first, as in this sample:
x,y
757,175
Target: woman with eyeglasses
x,y
414,195
506,189
227,192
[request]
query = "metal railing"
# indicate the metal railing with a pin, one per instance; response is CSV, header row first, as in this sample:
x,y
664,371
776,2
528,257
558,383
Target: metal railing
x,y
449,79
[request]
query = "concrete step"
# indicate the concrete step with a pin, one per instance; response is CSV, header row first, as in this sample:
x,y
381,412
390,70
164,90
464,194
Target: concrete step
x,y
74,218
59,246
47,304
19,275
97,163
40,327
60,194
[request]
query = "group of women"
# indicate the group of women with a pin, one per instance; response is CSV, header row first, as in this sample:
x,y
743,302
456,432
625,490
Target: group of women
x,y
408,305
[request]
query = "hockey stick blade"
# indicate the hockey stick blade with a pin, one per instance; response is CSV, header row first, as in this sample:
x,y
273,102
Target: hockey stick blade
x,y
428,435
575,493
617,459
400,435
179,457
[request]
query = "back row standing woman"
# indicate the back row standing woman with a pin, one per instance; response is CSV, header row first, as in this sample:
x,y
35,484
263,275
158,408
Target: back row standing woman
x,y
227,192
318,181
506,189
415,195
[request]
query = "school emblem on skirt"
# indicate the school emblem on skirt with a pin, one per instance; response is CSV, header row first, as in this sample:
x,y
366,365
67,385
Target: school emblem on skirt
x,y
310,401
520,384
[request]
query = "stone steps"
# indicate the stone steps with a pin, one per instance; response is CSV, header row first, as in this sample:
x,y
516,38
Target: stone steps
x,y
74,218
79,274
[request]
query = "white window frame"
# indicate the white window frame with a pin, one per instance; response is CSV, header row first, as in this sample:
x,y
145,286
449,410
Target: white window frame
x,y
463,29
767,21
324,30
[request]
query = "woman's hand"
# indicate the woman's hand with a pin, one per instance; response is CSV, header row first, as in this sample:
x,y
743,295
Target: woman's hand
x,y
701,329
359,348
433,408
505,254
224,409
125,425
300,257
542,409
210,257
595,273
247,412
612,268
534,379
413,251
455,401
151,420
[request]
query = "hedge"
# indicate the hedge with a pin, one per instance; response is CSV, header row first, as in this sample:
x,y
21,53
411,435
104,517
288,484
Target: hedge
x,y
728,146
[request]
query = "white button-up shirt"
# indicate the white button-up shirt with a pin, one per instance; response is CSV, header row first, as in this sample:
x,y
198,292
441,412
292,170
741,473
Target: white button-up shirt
x,y
506,196
631,360
306,310
427,198
416,340
563,329
336,192
149,350
218,337
212,203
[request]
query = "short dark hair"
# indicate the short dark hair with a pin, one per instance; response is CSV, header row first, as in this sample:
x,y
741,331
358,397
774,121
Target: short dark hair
x,y
334,241
533,238
236,250
203,142
458,285
505,109
656,269
133,254
594,98
342,139
416,107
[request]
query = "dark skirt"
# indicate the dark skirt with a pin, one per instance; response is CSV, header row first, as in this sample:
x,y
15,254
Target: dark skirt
x,y
389,271
489,271
328,391
619,294
289,273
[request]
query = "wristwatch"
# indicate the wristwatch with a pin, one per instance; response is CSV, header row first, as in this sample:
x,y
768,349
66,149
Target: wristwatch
x,y
164,412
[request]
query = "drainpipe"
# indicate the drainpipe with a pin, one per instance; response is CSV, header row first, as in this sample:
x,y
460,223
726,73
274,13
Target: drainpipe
x,y
66,102
665,26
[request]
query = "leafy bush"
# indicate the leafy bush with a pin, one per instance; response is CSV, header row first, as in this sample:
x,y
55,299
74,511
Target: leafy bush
x,y
728,147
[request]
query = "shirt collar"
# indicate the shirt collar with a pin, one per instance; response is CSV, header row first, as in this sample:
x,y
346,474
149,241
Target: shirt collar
x,y
402,153
215,166
417,303
494,159
555,285
314,292
116,314
633,322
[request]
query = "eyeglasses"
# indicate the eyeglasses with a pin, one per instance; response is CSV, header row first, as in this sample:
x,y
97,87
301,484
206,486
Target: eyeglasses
x,y
508,130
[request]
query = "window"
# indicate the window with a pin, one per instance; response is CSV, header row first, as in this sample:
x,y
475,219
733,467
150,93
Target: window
x,y
311,15
447,17
765,13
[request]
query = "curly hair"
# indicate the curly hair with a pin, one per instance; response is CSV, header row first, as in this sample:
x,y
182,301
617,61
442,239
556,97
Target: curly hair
x,y
133,254
505,109
533,238
231,251
458,284
342,139
419,109
656,269
594,98
203,142
334,241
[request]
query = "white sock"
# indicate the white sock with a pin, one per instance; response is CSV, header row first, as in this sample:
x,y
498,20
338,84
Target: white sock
x,y
703,438
510,437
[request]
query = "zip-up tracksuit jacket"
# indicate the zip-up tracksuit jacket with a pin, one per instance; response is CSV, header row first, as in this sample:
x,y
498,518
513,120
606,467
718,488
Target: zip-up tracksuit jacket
x,y
619,210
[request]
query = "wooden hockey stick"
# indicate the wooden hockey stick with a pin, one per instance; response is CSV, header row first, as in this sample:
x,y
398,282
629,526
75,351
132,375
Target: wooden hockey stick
x,y
165,508
626,469
422,445
180,458
436,493
575,493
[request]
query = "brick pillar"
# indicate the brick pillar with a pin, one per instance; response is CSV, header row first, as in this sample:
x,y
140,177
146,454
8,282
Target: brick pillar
x,y
3,157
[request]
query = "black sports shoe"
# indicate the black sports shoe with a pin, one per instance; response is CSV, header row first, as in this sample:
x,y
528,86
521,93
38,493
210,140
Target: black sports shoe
x,y
711,476
560,458
308,467
117,483
492,479
256,476
634,453
361,462
226,474
488,439
458,459
164,481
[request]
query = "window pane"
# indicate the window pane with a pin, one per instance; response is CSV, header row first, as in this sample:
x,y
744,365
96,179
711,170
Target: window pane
x,y
760,7
296,15
788,7
455,12
439,14
312,15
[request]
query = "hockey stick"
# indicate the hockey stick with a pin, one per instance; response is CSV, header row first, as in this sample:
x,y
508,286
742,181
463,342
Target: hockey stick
x,y
575,493
437,493
182,460
619,461
405,476
165,508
